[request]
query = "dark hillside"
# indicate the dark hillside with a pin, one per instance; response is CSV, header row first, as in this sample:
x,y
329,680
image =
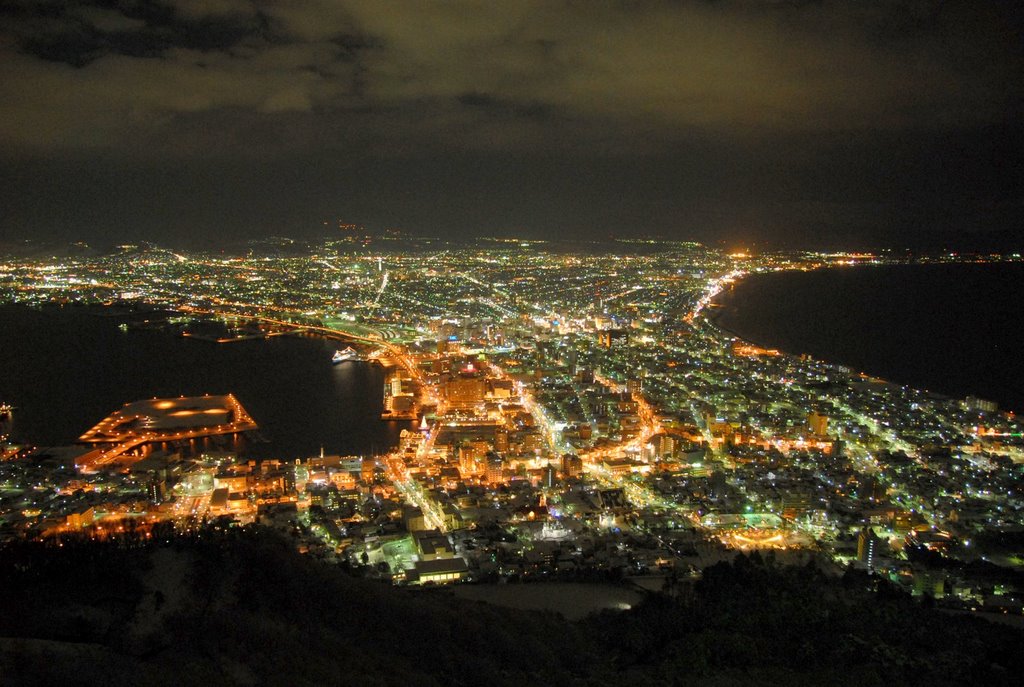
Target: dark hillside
x,y
238,606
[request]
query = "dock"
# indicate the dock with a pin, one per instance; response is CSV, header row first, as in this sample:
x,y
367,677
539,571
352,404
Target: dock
x,y
161,420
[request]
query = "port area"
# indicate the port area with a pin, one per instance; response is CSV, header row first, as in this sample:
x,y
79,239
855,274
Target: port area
x,y
125,436
401,393
403,381
232,330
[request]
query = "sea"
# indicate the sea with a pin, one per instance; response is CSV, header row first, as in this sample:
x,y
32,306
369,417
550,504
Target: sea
x,y
66,368
952,329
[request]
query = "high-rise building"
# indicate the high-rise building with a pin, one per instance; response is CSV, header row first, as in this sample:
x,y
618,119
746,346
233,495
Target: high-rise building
x,y
495,468
465,390
468,460
867,547
612,337
980,405
817,423
501,440
549,477
157,488
572,465
663,445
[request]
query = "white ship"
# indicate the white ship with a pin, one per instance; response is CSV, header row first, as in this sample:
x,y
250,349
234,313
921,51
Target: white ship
x,y
344,355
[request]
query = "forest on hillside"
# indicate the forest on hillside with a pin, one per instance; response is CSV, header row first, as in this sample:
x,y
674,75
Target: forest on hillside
x,y
239,606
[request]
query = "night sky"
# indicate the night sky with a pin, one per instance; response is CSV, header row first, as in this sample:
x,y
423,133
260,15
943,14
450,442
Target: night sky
x,y
738,122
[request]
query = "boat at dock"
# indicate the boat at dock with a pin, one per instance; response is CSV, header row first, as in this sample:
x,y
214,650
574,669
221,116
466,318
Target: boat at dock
x,y
345,355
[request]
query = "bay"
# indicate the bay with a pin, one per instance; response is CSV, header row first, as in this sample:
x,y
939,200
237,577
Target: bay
x,y
947,328
65,369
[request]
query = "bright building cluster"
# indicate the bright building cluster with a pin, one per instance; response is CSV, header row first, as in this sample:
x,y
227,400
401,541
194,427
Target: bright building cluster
x,y
577,415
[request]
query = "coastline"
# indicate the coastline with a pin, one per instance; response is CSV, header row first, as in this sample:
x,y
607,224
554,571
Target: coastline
x,y
716,308
971,382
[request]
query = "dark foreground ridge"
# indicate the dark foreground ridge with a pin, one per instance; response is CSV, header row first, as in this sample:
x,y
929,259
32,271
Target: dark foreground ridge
x,y
237,606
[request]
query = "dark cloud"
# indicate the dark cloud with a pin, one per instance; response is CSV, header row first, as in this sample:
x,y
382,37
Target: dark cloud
x,y
81,33
726,116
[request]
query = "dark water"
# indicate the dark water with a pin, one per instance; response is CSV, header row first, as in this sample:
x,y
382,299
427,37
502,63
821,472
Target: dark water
x,y
66,369
951,329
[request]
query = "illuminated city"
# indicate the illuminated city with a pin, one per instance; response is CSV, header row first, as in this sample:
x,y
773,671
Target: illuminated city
x,y
507,343
586,408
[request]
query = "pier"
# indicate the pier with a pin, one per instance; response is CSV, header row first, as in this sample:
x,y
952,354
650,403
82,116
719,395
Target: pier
x,y
161,420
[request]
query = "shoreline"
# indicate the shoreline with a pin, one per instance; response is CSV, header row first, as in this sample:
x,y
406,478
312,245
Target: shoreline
x,y
714,314
714,317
